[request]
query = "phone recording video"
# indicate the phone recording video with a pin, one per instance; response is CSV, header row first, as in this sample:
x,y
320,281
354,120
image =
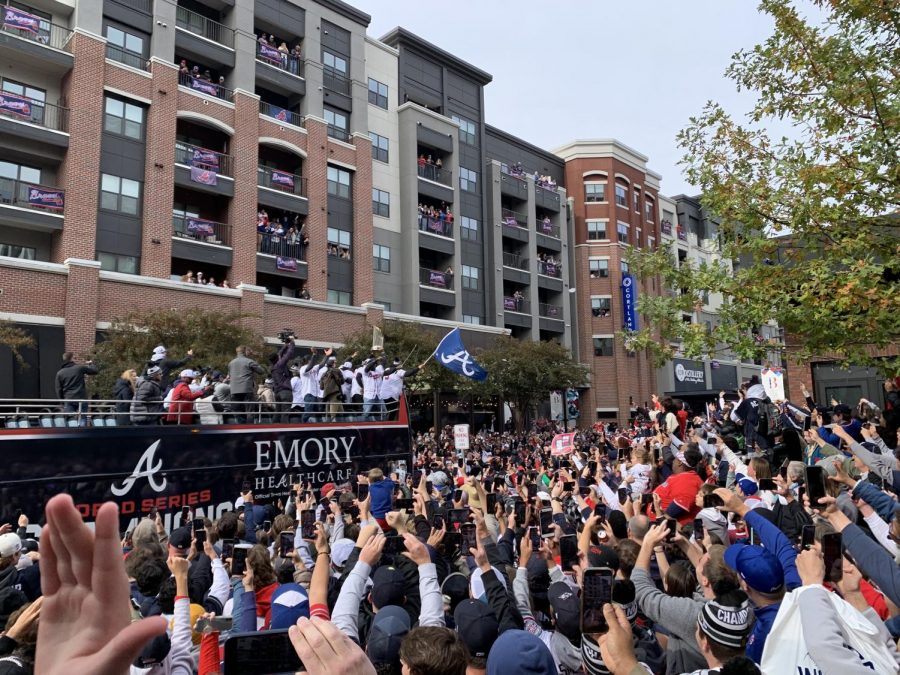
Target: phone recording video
x,y
308,524
362,491
261,652
833,558
546,522
286,543
596,592
239,559
808,537
568,551
534,534
815,486
469,537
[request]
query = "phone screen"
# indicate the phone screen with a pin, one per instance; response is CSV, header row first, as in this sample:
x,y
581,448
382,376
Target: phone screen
x,y
362,491
429,487
815,485
469,538
491,501
808,538
287,543
437,522
623,495
767,484
459,516
227,548
519,508
198,524
673,527
712,501
698,529
200,538
546,522
403,504
452,541
239,561
393,544
218,624
308,524
532,490
568,551
261,652
597,592
831,552
600,511
535,534
457,495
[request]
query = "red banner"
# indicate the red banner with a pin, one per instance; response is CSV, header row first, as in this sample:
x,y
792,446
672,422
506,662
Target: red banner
x,y
562,444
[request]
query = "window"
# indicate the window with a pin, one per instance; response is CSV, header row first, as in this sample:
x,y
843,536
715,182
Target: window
x,y
20,89
648,210
467,132
621,196
651,243
385,304
20,172
336,64
468,228
20,252
378,93
125,47
381,203
598,268
471,319
126,264
338,182
125,119
624,267
637,200
468,180
603,346
380,146
622,229
120,194
596,230
601,307
637,237
382,256
595,192
337,124
339,297
470,277
339,238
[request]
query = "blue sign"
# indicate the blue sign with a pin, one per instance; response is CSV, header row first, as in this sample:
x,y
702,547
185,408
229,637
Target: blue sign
x,y
452,354
629,302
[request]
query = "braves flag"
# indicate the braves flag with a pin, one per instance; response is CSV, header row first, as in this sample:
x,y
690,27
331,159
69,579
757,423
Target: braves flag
x,y
452,354
562,444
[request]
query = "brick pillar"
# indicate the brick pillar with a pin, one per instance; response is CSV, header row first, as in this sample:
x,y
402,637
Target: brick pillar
x,y
242,210
159,172
82,292
363,233
374,314
79,172
253,307
317,220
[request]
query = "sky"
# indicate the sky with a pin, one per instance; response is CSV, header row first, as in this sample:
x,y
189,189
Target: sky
x,y
575,69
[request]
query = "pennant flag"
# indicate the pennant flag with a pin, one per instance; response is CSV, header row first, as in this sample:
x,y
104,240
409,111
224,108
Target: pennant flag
x,y
452,354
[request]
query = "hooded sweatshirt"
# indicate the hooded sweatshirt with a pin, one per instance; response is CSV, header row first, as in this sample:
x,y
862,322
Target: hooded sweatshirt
x,y
518,651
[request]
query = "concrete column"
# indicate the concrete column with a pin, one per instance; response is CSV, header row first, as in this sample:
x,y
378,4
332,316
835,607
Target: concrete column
x,y
312,52
531,216
82,292
89,17
162,42
253,307
317,220
240,19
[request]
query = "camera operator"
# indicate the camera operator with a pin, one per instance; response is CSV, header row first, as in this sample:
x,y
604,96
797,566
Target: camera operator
x,y
282,378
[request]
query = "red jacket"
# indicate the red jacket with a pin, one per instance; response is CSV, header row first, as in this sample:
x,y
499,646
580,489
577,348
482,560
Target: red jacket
x,y
181,410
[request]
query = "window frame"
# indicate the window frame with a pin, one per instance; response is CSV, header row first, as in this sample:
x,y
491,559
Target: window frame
x,y
465,180
608,308
603,270
7,250
118,258
380,207
588,194
468,130
380,262
341,186
119,195
377,150
338,296
377,95
470,281
467,232
623,238
636,200
124,120
597,221
333,65
472,319
339,241
624,203
607,339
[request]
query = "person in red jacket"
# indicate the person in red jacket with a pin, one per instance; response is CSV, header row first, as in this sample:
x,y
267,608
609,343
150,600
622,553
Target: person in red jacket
x,y
181,409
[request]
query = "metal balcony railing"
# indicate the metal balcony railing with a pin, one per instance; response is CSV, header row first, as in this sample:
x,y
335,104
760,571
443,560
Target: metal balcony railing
x,y
201,229
289,246
205,87
204,27
194,155
436,173
338,133
335,80
116,53
435,278
33,111
280,114
513,304
283,181
513,218
32,196
550,269
289,63
548,229
443,228
513,260
550,311
30,27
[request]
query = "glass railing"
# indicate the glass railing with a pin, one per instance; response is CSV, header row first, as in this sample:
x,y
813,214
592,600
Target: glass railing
x,y
511,303
29,110
283,181
513,219
205,87
204,27
550,269
550,311
436,173
30,27
289,63
201,229
288,246
436,278
438,226
280,114
517,261
210,160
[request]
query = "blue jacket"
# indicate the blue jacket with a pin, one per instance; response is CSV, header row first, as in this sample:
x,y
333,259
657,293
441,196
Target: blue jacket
x,y
873,560
774,540
765,617
883,504
852,427
254,515
381,493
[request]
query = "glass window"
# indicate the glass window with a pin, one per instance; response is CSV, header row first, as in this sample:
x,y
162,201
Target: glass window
x,y
381,203
21,172
472,319
124,40
624,267
468,180
125,119
595,192
648,210
339,297
380,147
120,194
623,231
337,124
651,243
598,267
338,182
600,307
470,277
378,93
621,195
126,264
382,257
33,93
596,230
467,130
336,63
15,251
468,228
385,304
637,200
603,346
339,237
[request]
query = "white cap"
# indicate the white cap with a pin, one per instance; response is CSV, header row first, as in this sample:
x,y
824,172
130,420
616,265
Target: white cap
x,y
159,350
158,357
347,365
188,373
153,370
10,544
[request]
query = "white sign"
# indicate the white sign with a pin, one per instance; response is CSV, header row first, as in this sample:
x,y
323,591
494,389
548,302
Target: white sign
x,y
773,383
461,436
688,375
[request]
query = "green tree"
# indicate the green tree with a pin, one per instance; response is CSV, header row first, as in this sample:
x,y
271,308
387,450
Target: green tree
x,y
130,341
15,339
812,218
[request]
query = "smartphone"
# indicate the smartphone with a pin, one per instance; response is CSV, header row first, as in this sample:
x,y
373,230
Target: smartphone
x,y
646,500
452,541
623,495
831,552
712,501
200,539
782,471
519,508
597,592
568,551
457,495
286,543
267,525
767,484
815,486
808,537
239,559
218,624
546,522
534,534
568,486
227,548
469,537
400,504
458,517
393,544
672,524
437,522
698,529
261,652
308,524
362,491
185,515
491,501
592,466
600,511
429,487
586,491
198,524
532,491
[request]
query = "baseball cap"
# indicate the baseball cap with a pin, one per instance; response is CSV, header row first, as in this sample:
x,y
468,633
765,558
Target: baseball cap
x,y
187,372
10,544
455,589
603,556
389,626
477,625
159,349
748,486
289,603
758,567
346,365
153,370
388,587
341,550
566,609
328,487
476,584
158,357
180,538
842,409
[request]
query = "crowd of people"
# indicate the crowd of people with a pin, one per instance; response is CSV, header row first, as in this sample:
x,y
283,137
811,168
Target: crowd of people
x,y
285,235
540,180
200,278
436,220
289,57
201,80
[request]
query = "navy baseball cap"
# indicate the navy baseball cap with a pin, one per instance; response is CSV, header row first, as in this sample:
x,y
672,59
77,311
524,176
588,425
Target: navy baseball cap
x,y
758,567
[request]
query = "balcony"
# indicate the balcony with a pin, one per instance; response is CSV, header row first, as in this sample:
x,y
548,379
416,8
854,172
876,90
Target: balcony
x,y
204,87
515,261
666,227
35,41
282,190
203,39
548,235
280,114
335,81
31,206
682,235
200,240
283,73
437,174
546,197
548,229
34,121
513,186
436,287
513,304
201,169
550,311
550,269
130,59
281,257
338,133
436,235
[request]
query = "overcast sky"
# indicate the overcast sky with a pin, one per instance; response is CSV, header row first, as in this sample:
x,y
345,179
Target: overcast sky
x,y
574,69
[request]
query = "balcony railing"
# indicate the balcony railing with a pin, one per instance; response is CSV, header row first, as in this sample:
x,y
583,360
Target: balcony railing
x,y
29,110
289,63
30,27
443,228
200,229
516,261
32,196
205,87
436,173
116,53
550,311
280,114
335,81
207,28
435,279
338,133
281,246
283,181
145,6
513,304
512,218
550,269
548,229
194,155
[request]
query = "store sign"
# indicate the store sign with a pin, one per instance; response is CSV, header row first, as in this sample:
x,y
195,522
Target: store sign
x,y
689,375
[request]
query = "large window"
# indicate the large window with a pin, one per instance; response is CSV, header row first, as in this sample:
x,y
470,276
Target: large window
x,y
468,180
338,182
648,210
596,230
382,257
637,237
470,277
37,96
621,196
21,172
381,203
124,119
120,194
598,268
601,306
467,130
334,64
624,266
338,124
622,229
472,319
380,147
126,264
603,346
339,297
595,192
637,200
125,47
16,251
378,93
468,228
339,239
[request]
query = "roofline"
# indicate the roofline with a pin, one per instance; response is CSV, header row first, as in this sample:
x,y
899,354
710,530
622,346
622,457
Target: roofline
x,y
556,159
347,11
573,146
400,34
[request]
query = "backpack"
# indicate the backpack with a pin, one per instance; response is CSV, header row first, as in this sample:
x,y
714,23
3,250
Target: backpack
x,y
769,423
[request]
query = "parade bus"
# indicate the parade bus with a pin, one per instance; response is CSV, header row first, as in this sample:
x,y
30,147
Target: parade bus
x,y
95,457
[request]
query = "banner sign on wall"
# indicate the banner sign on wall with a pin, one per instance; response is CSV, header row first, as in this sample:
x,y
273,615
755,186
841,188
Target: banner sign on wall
x,y
629,302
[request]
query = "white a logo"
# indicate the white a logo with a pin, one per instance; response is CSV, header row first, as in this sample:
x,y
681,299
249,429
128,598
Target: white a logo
x,y
464,359
144,469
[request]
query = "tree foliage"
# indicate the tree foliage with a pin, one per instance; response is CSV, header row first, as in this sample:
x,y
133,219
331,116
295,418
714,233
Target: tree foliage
x,y
15,339
812,217
130,341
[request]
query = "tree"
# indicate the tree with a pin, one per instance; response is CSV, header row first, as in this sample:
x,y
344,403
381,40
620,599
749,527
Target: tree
x,y
130,341
15,339
811,218
523,373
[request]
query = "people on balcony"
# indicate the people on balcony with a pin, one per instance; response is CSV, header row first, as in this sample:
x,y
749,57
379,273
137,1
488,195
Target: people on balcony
x,y
436,220
201,81
284,236
290,56
519,299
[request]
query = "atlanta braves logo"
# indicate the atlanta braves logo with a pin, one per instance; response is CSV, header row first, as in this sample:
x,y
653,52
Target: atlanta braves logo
x,y
144,469
464,359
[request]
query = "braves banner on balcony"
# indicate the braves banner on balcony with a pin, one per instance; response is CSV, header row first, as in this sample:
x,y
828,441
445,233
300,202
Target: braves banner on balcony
x,y
204,86
629,302
282,179
279,114
16,105
204,157
204,176
550,269
509,303
269,53
437,279
16,18
285,264
204,228
49,199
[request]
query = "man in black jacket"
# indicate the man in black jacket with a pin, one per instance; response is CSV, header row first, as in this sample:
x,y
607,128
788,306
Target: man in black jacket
x,y
279,365
166,365
70,386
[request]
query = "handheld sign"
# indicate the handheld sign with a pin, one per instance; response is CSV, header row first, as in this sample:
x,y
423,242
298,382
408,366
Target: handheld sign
x,y
562,444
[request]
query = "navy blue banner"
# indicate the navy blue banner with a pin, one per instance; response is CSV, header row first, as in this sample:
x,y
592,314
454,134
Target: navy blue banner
x,y
629,302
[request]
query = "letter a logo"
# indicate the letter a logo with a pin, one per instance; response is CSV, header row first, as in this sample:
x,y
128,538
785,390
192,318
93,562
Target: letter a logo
x,y
144,469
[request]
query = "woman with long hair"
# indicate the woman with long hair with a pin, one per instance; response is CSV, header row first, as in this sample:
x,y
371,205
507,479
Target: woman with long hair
x,y
123,393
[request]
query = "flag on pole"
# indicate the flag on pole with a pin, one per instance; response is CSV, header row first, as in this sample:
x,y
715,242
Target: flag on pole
x,y
377,339
452,354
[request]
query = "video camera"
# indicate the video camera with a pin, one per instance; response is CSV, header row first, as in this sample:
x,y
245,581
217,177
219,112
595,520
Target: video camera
x,y
287,336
